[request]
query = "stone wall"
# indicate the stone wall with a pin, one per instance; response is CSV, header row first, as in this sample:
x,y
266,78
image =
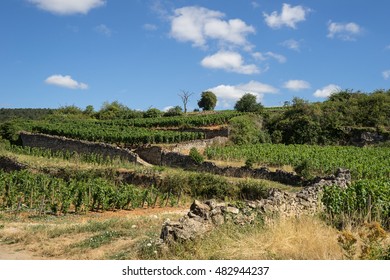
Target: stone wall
x,y
208,133
151,154
9,164
184,148
203,217
159,156
56,143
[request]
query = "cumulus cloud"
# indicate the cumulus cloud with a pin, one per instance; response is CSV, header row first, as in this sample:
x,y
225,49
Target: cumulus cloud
x,y
228,94
292,45
327,91
197,25
67,7
229,61
103,29
386,74
65,81
296,85
344,31
289,16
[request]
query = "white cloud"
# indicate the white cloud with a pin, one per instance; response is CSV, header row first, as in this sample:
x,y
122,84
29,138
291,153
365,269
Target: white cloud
x,y
65,81
166,109
103,29
296,85
268,55
386,74
255,5
67,7
150,27
292,45
344,31
289,16
198,25
227,94
327,91
229,61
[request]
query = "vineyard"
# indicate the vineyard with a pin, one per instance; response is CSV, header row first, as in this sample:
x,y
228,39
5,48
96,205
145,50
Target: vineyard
x,y
130,132
364,163
178,121
23,190
102,132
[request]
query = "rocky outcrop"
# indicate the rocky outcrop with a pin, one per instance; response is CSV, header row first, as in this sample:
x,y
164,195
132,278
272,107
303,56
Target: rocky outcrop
x,y
203,217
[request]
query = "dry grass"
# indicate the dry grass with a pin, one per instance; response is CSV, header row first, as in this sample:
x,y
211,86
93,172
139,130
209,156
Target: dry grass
x,y
305,238
93,236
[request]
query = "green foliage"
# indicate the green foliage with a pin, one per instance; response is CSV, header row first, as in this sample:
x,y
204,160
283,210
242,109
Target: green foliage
x,y
305,169
175,111
248,103
208,101
333,121
196,156
152,113
249,162
251,190
247,129
116,110
112,132
361,202
364,163
25,113
46,194
10,131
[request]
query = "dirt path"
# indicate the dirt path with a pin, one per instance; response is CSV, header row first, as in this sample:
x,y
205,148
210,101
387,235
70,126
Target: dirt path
x,y
17,252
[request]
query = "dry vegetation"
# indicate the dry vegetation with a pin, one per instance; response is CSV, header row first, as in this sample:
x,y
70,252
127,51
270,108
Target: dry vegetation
x,y
134,235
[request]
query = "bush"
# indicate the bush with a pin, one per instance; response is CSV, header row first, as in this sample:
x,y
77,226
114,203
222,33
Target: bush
x,y
175,111
152,113
247,129
196,156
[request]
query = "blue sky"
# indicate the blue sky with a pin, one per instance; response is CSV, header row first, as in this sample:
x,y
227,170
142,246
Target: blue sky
x,y
143,53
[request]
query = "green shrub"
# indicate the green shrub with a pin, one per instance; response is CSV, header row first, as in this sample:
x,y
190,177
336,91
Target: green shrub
x,y
364,200
196,156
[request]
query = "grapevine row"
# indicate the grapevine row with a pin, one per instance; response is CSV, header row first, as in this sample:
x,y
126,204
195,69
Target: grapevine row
x,y
364,163
101,132
23,190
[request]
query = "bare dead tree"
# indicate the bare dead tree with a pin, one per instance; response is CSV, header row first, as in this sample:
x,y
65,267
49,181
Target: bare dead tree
x,y
185,95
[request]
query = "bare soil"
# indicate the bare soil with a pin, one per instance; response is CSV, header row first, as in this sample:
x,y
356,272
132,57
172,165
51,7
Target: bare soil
x,y
19,252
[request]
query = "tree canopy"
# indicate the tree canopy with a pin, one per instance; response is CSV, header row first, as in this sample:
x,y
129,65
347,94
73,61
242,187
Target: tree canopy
x,y
248,103
208,101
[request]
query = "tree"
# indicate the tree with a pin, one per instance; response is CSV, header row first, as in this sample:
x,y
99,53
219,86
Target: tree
x,y
248,129
185,95
208,101
174,111
248,103
152,113
113,110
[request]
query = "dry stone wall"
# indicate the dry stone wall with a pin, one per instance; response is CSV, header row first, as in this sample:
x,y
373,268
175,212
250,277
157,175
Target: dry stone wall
x,y
159,156
205,216
9,164
57,143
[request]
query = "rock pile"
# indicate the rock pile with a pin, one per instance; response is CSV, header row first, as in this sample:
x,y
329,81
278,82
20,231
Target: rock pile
x,y
203,217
